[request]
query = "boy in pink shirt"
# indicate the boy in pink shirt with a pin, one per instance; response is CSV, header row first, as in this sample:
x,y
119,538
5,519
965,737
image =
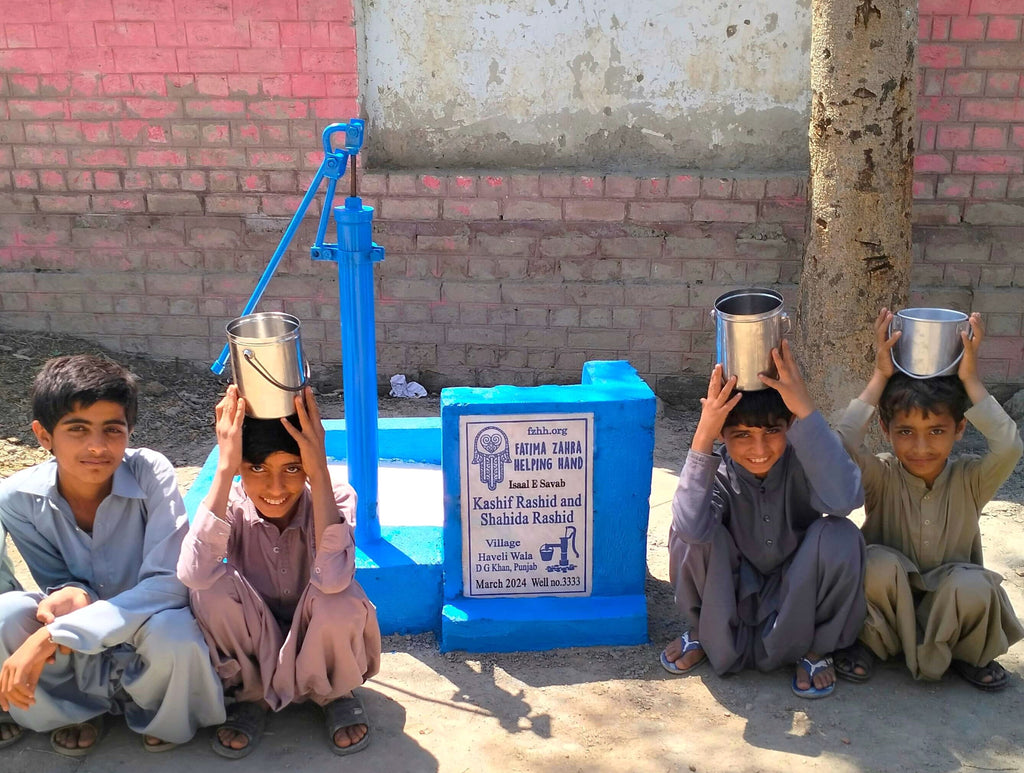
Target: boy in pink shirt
x,y
270,563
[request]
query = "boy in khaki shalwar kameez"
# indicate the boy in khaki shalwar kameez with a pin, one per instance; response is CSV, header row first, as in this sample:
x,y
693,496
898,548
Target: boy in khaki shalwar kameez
x,y
928,594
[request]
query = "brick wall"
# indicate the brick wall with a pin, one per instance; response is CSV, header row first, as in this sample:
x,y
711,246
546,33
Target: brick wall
x,y
969,181
152,152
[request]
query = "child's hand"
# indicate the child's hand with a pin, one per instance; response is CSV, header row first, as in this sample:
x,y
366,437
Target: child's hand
x,y
310,437
230,414
790,384
714,409
20,672
968,369
61,602
884,343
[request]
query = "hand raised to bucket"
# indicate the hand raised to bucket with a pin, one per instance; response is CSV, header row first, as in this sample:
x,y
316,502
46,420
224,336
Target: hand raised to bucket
x,y
230,413
714,409
310,438
790,383
967,371
884,343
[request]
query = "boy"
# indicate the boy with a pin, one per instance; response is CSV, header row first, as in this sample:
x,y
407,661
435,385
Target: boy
x,y
271,564
99,526
928,594
764,579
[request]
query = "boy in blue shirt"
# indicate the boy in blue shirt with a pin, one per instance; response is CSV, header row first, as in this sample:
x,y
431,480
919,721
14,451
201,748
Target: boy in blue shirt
x,y
100,527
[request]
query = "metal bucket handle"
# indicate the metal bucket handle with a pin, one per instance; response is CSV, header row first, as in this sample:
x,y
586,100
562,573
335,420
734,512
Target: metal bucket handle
x,y
250,357
896,325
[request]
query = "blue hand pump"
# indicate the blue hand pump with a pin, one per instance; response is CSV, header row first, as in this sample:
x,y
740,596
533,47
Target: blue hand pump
x,y
355,253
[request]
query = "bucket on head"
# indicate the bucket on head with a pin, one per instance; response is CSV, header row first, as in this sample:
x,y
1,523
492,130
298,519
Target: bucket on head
x,y
930,345
267,362
748,325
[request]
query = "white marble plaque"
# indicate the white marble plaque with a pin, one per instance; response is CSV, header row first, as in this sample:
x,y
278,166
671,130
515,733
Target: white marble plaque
x,y
527,504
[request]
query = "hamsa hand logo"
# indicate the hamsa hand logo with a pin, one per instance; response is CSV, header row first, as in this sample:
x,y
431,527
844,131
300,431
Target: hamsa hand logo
x,y
490,452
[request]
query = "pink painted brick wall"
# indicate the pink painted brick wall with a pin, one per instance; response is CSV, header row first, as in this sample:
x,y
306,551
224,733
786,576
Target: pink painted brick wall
x,y
971,149
152,152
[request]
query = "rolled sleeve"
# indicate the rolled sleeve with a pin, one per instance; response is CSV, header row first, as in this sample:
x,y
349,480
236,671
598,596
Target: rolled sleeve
x,y
334,565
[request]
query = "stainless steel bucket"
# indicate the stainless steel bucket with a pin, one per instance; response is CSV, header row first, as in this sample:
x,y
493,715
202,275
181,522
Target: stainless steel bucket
x,y
267,362
748,325
930,345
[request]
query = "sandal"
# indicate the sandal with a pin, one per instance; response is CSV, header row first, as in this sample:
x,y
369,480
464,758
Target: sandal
x,y
7,719
688,645
975,675
97,723
346,712
849,659
247,718
156,748
812,667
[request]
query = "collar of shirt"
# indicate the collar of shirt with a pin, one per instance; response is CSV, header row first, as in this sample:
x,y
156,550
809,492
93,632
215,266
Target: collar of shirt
x,y
42,481
916,484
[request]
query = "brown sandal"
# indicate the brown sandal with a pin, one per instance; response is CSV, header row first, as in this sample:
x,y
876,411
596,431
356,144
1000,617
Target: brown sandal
x,y
998,678
849,659
7,719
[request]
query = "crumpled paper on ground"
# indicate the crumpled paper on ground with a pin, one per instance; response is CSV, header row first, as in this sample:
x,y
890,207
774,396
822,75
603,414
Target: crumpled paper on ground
x,y
402,388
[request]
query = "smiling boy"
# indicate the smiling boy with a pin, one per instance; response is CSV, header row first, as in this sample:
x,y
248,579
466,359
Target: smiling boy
x,y
928,593
270,561
99,526
761,576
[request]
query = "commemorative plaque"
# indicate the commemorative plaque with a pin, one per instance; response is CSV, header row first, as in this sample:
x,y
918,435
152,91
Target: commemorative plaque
x,y
527,504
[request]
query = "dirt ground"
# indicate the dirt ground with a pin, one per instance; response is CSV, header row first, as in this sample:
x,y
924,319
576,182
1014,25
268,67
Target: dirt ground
x,y
584,709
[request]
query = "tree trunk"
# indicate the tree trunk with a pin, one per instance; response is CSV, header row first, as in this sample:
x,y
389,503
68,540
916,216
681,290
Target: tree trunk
x,y
862,144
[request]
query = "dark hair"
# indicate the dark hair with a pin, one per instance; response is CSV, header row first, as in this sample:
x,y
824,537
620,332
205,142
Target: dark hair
x,y
263,437
759,408
942,394
77,381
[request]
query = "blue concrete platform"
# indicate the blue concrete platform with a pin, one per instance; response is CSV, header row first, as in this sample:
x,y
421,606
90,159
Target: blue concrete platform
x,y
614,609
513,625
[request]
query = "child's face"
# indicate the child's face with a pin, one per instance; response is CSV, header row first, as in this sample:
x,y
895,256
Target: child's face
x,y
923,442
275,485
755,449
88,444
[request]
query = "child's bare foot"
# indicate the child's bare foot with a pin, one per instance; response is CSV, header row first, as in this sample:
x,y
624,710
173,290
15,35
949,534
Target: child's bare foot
x,y
154,744
77,740
815,676
242,730
10,731
346,724
347,736
682,655
855,663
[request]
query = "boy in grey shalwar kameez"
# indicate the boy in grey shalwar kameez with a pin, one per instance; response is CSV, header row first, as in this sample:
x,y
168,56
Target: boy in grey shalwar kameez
x,y
100,527
762,576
